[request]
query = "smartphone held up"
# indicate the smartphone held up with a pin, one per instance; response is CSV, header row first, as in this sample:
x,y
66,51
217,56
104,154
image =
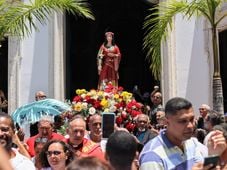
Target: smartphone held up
x,y
211,160
108,122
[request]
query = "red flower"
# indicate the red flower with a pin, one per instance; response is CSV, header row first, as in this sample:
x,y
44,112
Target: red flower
x,y
87,98
120,105
91,101
97,105
119,120
134,113
130,126
77,99
120,88
124,115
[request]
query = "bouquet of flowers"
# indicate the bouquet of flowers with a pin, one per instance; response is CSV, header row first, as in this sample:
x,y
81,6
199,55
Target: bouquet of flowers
x,y
111,99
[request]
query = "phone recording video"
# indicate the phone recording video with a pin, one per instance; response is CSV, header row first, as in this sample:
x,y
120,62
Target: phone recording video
x,y
108,121
17,126
211,160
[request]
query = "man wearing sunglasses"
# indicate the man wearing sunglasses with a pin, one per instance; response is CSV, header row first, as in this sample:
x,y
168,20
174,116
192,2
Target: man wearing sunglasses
x,y
40,95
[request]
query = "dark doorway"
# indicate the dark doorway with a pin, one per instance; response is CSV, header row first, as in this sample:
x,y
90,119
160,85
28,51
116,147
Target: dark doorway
x,y
84,37
223,64
4,66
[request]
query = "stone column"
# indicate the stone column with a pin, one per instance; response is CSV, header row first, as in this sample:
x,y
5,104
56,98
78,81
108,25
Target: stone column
x,y
57,56
14,63
168,74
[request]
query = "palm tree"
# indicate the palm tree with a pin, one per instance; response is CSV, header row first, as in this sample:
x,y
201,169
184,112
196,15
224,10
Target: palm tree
x,y
18,18
159,22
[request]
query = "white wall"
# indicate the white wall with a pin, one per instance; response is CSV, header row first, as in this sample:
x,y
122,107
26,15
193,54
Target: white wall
x,y
191,62
34,65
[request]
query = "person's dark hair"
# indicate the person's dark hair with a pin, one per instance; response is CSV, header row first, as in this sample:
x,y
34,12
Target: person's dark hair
x,y
215,118
121,149
57,118
113,40
200,134
34,129
160,109
2,95
176,104
10,118
88,163
43,157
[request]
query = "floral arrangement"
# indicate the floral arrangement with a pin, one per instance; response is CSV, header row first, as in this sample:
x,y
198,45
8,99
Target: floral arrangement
x,y
111,99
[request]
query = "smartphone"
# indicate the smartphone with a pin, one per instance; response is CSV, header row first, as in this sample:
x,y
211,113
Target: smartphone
x,y
108,122
211,160
17,126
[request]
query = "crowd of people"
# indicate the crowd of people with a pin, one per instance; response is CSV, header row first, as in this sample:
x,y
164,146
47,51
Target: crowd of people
x,y
168,136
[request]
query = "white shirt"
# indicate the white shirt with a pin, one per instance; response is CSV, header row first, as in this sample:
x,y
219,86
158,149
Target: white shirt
x,y
20,162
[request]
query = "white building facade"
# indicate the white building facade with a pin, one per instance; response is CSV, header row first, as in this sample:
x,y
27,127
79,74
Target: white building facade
x,y
38,63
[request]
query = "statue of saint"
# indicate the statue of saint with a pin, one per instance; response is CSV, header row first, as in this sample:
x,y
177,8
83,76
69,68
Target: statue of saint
x,y
108,61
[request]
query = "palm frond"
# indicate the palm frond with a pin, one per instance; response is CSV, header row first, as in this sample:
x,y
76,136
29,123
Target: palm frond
x,y
20,19
157,25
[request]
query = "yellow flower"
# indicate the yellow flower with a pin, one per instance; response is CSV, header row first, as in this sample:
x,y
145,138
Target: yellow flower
x,y
104,103
116,96
77,107
80,91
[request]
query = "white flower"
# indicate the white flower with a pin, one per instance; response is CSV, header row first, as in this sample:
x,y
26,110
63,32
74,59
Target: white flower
x,y
92,110
83,95
106,110
113,108
84,106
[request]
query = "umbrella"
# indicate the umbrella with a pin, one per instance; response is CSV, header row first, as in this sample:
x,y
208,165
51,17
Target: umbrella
x,y
32,112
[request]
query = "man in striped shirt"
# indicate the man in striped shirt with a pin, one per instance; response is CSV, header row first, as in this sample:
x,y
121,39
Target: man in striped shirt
x,y
173,148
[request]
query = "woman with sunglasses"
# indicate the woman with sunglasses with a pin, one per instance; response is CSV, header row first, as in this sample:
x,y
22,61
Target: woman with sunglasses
x,y
55,155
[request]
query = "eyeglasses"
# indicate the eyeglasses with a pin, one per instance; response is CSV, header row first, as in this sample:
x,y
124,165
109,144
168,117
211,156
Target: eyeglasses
x,y
41,140
49,153
41,97
156,97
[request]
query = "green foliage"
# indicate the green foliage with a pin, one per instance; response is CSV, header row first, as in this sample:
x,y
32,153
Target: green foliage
x,y
20,19
159,23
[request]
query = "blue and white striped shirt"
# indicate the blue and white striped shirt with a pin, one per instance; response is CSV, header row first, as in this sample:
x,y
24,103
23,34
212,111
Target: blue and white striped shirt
x,y
159,153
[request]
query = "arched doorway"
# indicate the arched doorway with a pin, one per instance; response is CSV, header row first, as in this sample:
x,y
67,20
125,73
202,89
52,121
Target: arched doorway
x,y
84,37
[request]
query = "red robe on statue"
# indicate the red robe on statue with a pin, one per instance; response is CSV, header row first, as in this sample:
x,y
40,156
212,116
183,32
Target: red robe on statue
x,y
108,64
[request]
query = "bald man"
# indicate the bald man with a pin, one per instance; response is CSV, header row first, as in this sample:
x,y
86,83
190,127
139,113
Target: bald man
x,y
40,95
82,146
203,110
142,132
94,125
